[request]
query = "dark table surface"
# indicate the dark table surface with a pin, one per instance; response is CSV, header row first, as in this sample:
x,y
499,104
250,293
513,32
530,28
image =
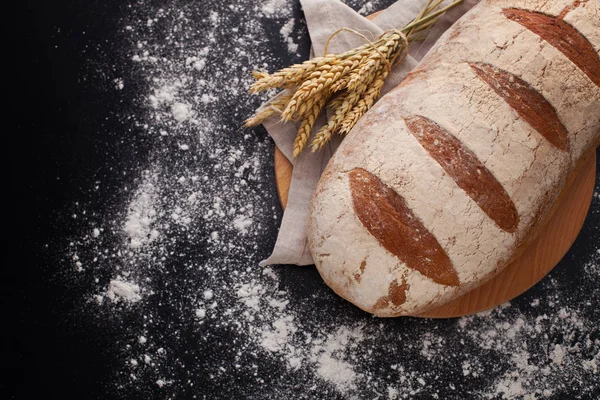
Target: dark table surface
x,y
92,149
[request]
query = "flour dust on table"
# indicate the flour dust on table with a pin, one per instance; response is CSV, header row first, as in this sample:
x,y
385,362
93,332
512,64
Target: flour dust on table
x,y
171,263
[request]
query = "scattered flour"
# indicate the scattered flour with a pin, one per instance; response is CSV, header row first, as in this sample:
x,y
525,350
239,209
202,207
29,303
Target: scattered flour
x,y
539,365
242,223
179,246
181,112
276,8
286,32
329,357
557,354
141,215
119,290
367,8
276,339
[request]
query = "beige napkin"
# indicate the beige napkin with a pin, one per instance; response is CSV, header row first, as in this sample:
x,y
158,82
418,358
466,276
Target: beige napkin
x,y
323,18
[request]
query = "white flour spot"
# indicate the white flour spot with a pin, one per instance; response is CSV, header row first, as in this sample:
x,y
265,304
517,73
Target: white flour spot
x,y
181,112
275,340
329,357
276,8
557,354
366,9
208,294
286,32
242,223
119,290
142,212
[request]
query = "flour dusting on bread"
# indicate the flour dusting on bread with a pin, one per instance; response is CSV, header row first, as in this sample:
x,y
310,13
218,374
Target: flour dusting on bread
x,y
477,143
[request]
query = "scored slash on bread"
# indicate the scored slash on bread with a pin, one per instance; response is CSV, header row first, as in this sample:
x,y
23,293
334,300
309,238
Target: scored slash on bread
x,y
384,213
562,36
464,167
444,181
527,102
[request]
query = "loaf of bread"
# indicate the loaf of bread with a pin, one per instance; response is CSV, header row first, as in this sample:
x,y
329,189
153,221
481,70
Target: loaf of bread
x,y
450,175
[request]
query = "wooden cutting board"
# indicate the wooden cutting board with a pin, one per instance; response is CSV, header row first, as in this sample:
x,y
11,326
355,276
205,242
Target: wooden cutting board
x,y
539,258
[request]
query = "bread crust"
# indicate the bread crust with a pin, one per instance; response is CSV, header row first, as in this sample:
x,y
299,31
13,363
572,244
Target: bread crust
x,y
532,170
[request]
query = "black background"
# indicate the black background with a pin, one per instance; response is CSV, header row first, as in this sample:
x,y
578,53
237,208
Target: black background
x,y
55,148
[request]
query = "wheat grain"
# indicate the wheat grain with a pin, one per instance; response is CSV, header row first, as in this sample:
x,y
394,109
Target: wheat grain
x,y
320,83
384,56
341,106
341,84
306,107
306,126
363,105
291,76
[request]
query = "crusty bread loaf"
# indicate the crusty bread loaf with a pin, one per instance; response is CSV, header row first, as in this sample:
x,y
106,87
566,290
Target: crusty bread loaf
x,y
451,174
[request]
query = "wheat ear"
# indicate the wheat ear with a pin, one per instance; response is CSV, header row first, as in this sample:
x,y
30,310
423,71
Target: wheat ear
x,y
276,105
355,77
293,75
341,106
363,105
306,126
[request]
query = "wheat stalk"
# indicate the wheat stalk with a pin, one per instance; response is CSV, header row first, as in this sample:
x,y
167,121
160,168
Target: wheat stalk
x,y
354,79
